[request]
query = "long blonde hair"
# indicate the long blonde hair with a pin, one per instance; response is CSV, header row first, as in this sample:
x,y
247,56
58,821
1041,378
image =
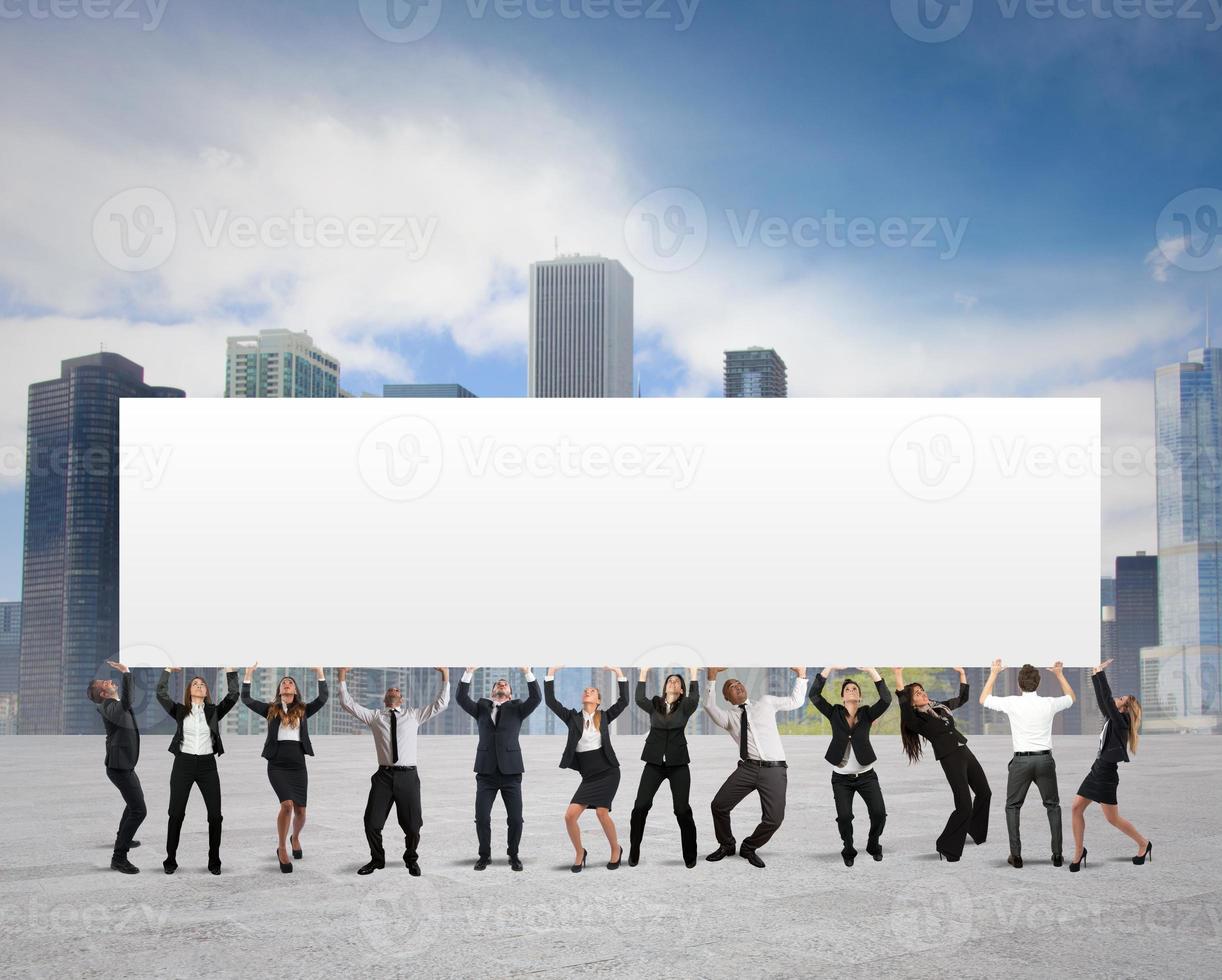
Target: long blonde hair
x,y
1134,711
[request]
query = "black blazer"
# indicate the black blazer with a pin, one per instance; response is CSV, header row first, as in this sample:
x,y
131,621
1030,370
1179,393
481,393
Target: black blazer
x,y
273,725
838,715
666,743
572,717
498,749
212,712
1114,738
122,735
941,734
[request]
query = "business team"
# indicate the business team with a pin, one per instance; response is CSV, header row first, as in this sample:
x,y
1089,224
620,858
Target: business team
x,y
751,723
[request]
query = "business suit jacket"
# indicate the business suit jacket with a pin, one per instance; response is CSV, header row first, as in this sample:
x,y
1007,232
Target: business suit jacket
x,y
838,715
498,749
273,724
122,733
666,743
572,717
213,713
942,735
1114,738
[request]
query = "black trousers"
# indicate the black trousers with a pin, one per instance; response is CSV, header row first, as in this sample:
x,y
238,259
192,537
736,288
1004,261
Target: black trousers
x,y
128,783
188,771
399,788
771,783
866,783
1023,771
652,777
970,788
487,785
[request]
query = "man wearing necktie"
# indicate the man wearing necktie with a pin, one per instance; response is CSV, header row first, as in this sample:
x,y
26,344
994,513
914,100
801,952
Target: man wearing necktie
x,y
498,758
122,754
396,782
761,760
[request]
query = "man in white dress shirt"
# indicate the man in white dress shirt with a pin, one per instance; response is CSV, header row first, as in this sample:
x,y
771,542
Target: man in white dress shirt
x,y
396,781
1031,718
761,760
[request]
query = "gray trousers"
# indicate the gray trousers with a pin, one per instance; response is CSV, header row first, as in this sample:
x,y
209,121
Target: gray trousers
x,y
1025,770
770,782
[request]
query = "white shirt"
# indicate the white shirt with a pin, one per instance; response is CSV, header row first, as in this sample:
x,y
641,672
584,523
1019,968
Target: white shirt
x,y
496,708
408,722
851,763
1030,718
763,739
591,737
196,737
287,732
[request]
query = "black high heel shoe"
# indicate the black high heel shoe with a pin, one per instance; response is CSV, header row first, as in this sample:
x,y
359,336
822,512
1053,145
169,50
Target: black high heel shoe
x,y
1148,855
577,867
1076,866
296,850
285,868
612,865
942,856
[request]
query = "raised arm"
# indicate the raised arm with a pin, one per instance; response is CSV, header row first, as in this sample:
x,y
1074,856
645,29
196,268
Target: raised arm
x,y
621,702
994,673
549,695
534,696
643,702
163,693
1058,671
358,711
797,695
816,693
884,696
255,705
692,701
463,696
323,693
1103,694
961,698
439,703
720,717
231,693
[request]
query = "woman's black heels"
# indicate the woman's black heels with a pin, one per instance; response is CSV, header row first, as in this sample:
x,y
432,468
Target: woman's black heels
x,y
577,867
1077,865
612,865
1147,855
285,868
942,856
296,850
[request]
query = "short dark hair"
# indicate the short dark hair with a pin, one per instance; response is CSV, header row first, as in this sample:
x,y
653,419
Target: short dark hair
x,y
94,692
1028,677
845,683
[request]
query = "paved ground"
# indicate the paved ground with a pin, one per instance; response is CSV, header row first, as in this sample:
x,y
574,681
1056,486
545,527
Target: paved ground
x,y
64,914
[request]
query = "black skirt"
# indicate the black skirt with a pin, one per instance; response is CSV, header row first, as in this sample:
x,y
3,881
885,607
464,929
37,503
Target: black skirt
x,y
599,780
1101,782
287,773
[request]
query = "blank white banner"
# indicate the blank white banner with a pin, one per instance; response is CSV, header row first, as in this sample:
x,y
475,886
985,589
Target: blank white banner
x,y
752,532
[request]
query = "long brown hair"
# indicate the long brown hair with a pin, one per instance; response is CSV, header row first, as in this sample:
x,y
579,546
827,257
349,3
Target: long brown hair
x,y
1133,709
910,739
186,691
296,712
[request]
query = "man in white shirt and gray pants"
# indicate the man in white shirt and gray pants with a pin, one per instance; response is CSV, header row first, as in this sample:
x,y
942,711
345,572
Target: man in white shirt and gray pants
x,y
1031,718
761,760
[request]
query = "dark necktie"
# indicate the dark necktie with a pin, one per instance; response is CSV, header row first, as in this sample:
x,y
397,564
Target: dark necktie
x,y
394,738
742,731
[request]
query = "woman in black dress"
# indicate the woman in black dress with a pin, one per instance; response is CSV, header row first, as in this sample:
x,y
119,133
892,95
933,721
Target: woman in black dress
x,y
285,748
196,745
932,720
1121,727
589,751
666,760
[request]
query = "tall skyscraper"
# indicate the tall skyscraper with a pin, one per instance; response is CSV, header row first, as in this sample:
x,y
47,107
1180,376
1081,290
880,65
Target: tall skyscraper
x,y
580,329
10,665
426,391
757,372
1180,679
70,572
279,364
1136,618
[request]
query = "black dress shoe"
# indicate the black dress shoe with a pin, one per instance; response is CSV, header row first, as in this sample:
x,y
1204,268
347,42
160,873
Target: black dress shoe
x,y
122,864
875,852
690,862
170,866
576,868
1076,866
134,843
726,850
515,863
1014,861
849,856
296,850
1147,855
286,867
612,865
413,868
943,856
1057,860
752,857
370,868
634,855
481,863
215,868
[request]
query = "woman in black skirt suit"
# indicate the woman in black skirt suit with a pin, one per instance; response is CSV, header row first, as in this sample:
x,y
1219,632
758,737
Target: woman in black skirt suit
x,y
923,718
285,748
666,760
1121,727
589,751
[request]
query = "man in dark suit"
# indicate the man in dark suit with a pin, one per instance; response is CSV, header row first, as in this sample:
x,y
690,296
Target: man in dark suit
x,y
122,754
498,759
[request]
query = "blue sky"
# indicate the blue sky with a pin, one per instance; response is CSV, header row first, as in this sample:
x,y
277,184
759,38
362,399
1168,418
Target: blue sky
x,y
1055,142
